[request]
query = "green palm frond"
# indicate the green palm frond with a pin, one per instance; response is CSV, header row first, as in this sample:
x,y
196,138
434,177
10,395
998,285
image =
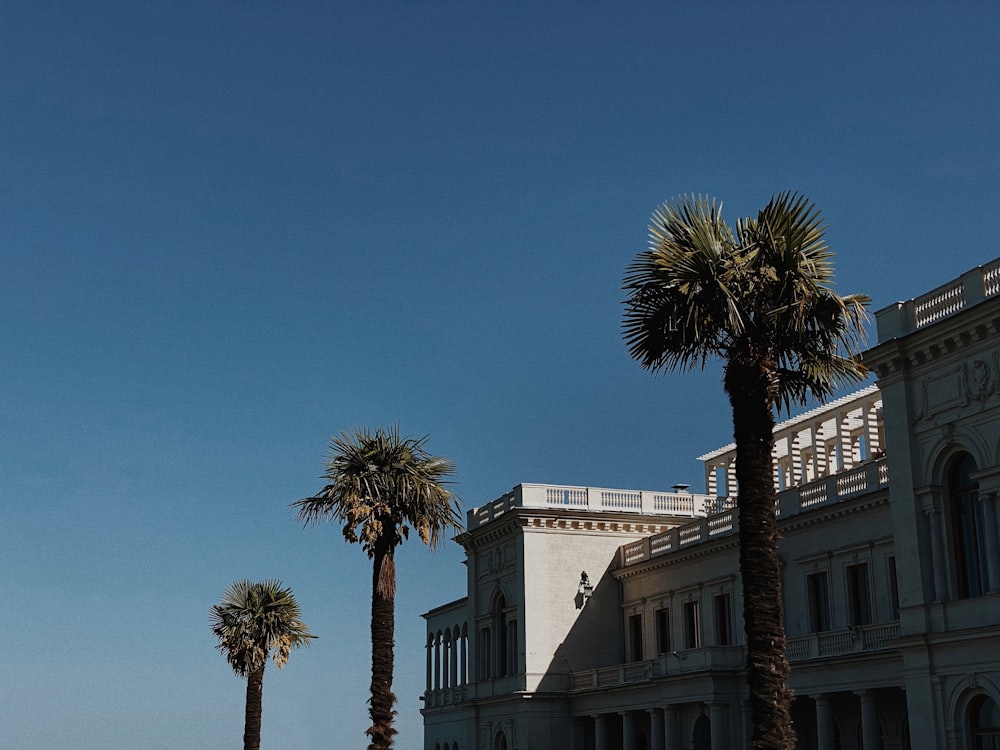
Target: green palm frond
x,y
254,619
763,293
382,484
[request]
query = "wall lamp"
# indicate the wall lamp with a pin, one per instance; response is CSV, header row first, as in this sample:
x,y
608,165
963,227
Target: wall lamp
x,y
586,589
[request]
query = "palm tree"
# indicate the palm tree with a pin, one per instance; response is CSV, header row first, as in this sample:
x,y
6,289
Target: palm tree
x,y
761,300
253,620
380,485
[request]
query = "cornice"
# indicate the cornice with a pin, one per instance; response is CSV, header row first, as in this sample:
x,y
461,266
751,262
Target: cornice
x,y
951,338
676,557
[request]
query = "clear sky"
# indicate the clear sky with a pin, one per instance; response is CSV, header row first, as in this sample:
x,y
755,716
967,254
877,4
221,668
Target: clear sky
x,y
231,230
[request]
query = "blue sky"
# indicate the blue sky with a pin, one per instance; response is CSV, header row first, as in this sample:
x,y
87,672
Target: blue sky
x,y
231,230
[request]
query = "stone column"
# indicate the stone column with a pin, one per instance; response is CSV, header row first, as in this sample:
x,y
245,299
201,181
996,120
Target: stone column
x,y
430,655
437,661
655,728
671,728
600,732
871,732
628,730
825,735
463,670
720,727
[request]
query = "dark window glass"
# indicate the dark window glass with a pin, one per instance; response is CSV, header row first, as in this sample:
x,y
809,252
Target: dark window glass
x,y
663,631
893,588
859,596
692,626
723,620
967,528
635,637
819,602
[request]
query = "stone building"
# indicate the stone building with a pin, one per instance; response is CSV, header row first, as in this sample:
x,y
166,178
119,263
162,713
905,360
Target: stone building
x,y
602,619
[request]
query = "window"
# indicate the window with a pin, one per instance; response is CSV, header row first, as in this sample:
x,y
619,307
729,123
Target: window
x,y
858,595
985,724
893,587
510,652
635,637
817,589
967,528
497,649
723,620
692,625
485,647
663,631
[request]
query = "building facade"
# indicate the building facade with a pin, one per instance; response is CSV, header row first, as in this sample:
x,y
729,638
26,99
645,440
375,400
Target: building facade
x,y
600,619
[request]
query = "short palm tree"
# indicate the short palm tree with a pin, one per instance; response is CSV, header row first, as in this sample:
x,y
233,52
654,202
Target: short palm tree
x,y
380,485
252,621
761,300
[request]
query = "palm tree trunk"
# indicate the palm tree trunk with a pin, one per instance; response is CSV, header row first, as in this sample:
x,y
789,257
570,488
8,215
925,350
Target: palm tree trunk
x,y
760,568
383,632
251,723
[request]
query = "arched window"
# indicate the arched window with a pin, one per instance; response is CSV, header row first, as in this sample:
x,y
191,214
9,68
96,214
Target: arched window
x,y
500,628
967,528
984,724
500,741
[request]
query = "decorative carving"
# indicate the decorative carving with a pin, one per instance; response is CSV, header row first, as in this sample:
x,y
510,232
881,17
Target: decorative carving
x,y
977,380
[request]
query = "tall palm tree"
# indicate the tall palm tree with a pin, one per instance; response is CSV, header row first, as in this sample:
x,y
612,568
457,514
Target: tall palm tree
x,y
253,620
761,300
381,484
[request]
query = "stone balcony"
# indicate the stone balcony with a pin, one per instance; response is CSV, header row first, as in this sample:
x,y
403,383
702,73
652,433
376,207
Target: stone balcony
x,y
596,500
853,641
707,659
965,291
844,485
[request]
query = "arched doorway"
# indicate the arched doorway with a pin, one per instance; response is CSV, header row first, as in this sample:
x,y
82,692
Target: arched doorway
x,y
701,738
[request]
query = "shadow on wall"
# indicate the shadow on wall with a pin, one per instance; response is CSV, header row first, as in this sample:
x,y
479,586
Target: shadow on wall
x,y
588,643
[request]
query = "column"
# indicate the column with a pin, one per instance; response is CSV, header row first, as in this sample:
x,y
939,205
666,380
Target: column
x,y
871,429
798,472
430,653
463,675
871,732
992,553
437,661
446,654
671,729
655,728
720,727
628,730
814,439
600,732
819,452
825,733
453,659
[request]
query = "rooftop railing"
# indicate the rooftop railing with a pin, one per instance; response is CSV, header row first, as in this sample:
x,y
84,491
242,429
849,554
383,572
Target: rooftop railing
x,y
967,290
594,499
868,477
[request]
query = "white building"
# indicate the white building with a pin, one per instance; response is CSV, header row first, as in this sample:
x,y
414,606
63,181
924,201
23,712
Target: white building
x,y
601,619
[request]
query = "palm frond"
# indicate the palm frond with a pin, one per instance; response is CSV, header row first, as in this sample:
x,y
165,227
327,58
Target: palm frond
x,y
380,485
763,293
254,619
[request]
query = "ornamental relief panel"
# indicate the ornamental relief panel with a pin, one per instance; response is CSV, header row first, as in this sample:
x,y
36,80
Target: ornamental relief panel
x,y
973,381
